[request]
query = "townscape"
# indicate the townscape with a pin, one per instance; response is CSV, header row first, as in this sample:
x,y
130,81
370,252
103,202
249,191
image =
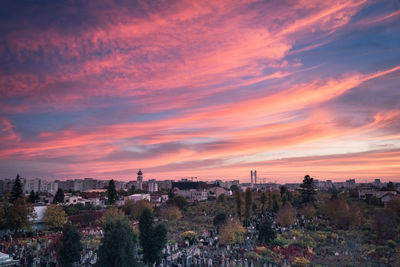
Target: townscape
x,y
195,223
177,133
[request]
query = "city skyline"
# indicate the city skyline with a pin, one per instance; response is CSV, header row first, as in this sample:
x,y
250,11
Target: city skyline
x,y
211,90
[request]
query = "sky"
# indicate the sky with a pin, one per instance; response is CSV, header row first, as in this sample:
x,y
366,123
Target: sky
x,y
208,89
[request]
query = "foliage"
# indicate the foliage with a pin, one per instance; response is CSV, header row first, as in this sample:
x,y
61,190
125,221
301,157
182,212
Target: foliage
x,y
219,220
238,201
385,224
152,239
275,203
248,203
221,198
54,217
286,215
3,213
267,232
17,190
134,209
87,218
263,200
171,213
232,233
178,201
69,247
59,197
308,211
341,213
112,214
189,235
19,215
32,197
78,208
111,192
301,261
121,253
307,189
394,205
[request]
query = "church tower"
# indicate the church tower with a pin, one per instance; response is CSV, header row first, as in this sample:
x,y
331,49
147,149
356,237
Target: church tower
x,y
140,180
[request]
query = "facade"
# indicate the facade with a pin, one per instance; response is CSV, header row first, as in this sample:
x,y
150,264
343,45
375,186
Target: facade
x,y
193,194
39,185
137,197
152,186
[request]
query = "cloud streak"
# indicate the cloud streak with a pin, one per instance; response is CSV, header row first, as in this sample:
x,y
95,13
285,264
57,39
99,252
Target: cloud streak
x,y
100,90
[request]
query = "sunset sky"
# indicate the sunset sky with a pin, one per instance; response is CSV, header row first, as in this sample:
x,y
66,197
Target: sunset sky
x,y
211,89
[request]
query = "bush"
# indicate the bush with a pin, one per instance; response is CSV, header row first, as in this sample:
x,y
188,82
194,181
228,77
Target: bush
x,y
301,261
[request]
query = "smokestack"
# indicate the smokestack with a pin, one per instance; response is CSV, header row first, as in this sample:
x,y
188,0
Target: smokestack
x,y
255,176
251,175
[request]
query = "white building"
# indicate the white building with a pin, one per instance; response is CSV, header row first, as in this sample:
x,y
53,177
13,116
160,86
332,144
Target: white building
x,y
39,185
152,186
137,197
193,194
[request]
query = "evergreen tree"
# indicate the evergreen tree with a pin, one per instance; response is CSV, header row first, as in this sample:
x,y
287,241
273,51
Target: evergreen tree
x,y
111,192
238,200
17,191
307,189
32,197
267,233
219,220
69,247
152,239
263,200
59,197
275,203
118,247
248,201
19,215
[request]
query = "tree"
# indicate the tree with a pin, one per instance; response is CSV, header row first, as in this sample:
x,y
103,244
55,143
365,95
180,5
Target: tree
x,y
189,236
118,246
59,197
221,198
394,205
308,211
3,213
54,217
152,239
263,200
178,201
32,197
248,200
219,219
232,233
171,213
385,224
267,232
270,201
307,189
69,247
134,209
286,215
111,192
20,214
275,203
341,214
112,214
238,201
17,191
